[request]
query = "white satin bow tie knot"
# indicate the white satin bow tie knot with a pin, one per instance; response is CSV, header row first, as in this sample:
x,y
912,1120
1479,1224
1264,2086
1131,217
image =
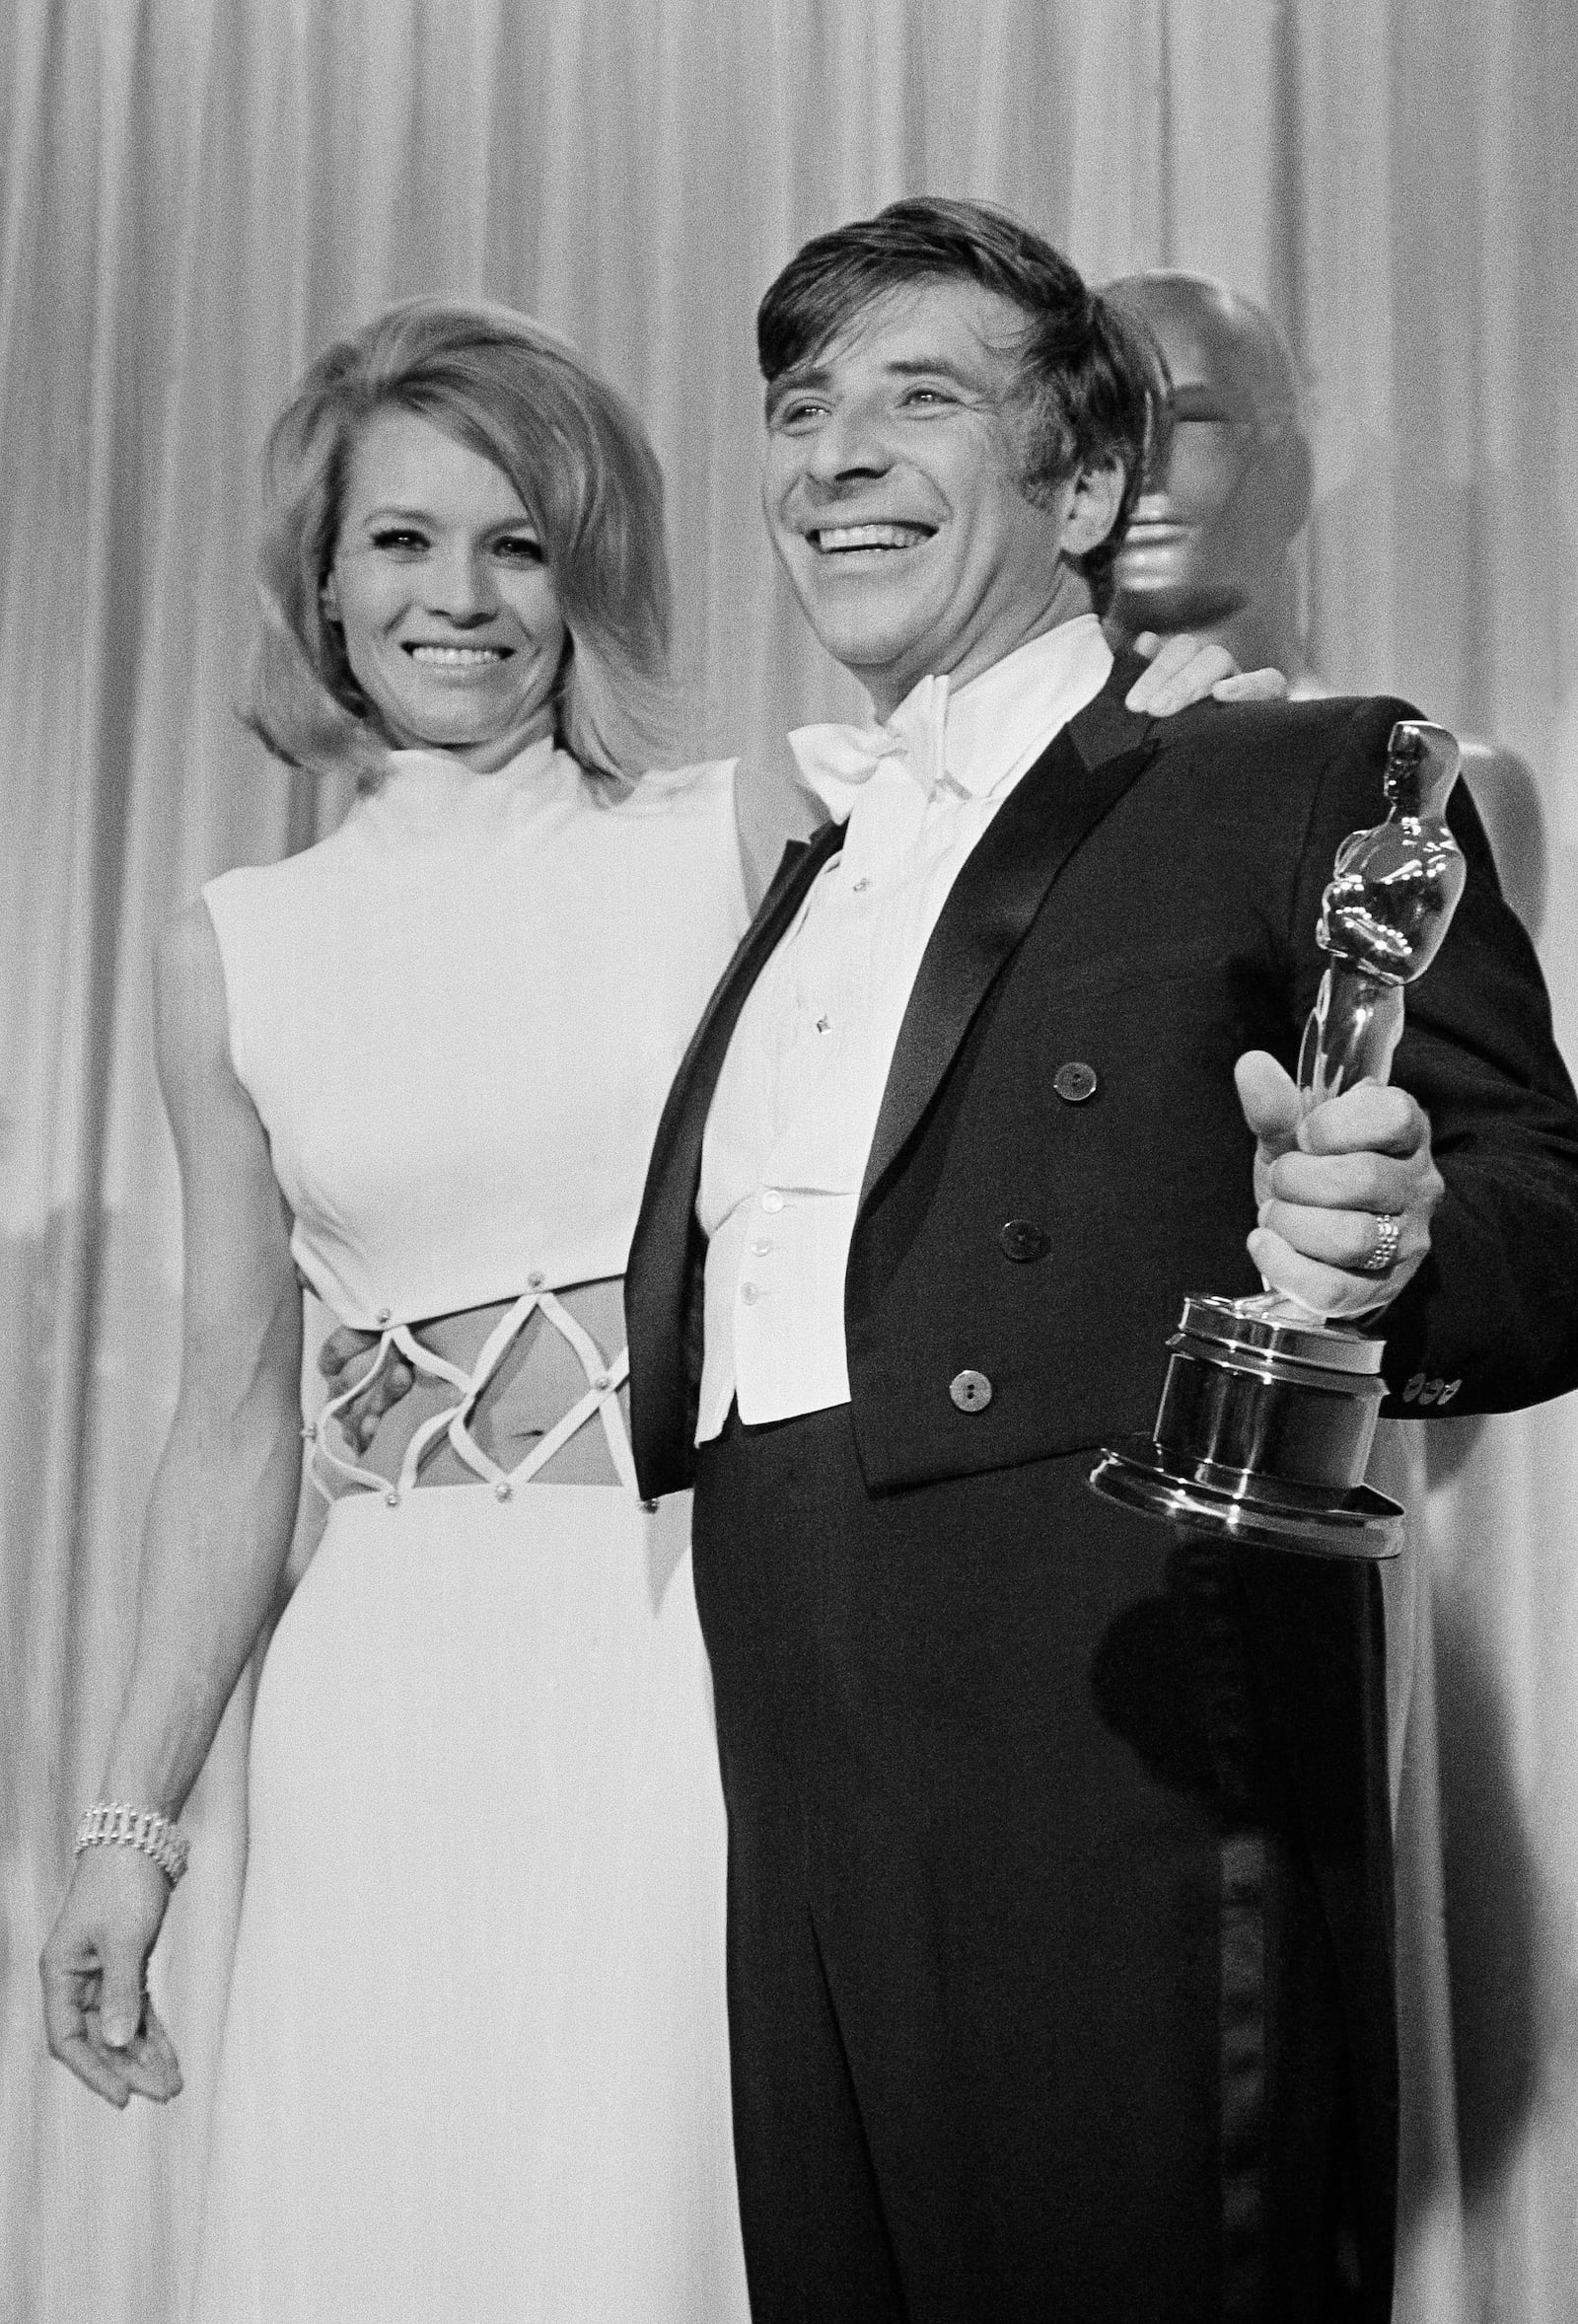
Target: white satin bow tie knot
x,y
838,761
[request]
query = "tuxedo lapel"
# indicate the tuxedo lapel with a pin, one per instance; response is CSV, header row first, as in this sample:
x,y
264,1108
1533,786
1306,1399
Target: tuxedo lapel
x,y
1078,778
662,1299
684,1117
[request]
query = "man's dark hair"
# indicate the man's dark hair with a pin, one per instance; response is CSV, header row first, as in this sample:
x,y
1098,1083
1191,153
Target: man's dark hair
x,y
1092,379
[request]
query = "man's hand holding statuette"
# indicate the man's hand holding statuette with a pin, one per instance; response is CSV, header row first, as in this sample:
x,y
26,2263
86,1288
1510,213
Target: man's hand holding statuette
x,y
1345,1191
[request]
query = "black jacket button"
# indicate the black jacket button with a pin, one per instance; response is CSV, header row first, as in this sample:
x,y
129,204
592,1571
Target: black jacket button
x,y
1022,1240
970,1391
1075,1082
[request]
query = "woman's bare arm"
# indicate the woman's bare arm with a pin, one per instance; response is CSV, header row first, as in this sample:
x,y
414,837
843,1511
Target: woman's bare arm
x,y
219,1522
223,1505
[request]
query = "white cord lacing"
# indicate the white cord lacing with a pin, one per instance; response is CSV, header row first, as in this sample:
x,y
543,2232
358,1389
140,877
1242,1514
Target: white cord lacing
x,y
603,1382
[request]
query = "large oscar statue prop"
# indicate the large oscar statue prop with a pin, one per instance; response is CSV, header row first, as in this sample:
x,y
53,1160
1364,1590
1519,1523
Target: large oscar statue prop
x,y
1268,1411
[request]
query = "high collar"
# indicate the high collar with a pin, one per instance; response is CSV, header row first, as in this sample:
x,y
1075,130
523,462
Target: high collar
x,y
445,771
434,791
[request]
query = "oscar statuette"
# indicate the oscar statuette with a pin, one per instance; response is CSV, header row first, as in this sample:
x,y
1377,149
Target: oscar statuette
x,y
1268,1411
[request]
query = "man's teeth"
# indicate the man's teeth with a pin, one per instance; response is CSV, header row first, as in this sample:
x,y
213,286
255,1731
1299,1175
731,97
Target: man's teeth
x,y
456,657
835,537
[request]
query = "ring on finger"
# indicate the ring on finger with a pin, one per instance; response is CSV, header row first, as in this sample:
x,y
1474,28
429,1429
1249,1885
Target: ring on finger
x,y
1382,1256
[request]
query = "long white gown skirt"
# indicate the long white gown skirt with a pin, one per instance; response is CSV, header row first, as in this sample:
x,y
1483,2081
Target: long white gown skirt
x,y
475,2063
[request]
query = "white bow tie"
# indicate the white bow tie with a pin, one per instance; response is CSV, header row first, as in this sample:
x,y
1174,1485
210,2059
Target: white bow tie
x,y
837,761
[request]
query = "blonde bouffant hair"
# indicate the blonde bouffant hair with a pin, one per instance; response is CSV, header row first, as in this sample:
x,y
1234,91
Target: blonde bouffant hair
x,y
579,459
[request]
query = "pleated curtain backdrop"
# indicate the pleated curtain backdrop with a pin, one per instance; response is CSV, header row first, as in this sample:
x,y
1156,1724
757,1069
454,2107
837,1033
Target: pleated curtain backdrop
x,y
195,196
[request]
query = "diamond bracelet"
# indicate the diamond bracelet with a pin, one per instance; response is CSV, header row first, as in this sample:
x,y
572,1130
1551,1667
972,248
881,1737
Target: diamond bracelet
x,y
115,1823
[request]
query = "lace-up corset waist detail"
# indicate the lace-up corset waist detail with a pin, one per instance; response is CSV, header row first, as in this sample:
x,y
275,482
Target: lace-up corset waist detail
x,y
604,1378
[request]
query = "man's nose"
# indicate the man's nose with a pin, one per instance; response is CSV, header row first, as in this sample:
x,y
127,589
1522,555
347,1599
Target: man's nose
x,y
848,445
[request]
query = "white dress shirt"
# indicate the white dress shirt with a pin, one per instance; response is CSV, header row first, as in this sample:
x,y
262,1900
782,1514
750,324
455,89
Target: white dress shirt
x,y
795,1105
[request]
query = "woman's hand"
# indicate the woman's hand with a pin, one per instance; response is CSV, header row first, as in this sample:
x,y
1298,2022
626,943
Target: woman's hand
x,y
96,2012
1186,669
348,1355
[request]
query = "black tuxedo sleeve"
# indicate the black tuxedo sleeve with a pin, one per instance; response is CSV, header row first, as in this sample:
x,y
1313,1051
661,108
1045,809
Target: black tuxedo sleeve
x,y
1491,1320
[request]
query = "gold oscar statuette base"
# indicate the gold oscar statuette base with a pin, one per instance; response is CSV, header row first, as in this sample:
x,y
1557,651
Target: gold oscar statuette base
x,y
1263,1436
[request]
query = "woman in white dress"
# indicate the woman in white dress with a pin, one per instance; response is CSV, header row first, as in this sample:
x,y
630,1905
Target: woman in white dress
x,y
474,2062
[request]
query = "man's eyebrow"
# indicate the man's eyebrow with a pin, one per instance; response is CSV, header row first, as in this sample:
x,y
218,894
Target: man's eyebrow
x,y
797,380
808,378
933,367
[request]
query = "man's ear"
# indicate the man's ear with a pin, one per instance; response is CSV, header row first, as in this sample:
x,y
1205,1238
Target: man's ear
x,y
1093,511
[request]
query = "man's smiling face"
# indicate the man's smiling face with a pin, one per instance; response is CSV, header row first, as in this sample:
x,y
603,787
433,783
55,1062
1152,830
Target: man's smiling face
x,y
891,487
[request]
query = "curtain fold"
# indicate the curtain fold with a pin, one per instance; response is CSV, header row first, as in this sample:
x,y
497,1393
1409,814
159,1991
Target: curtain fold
x,y
195,196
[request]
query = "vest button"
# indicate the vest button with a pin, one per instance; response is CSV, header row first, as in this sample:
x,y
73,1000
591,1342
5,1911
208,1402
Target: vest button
x,y
970,1391
1075,1082
1022,1240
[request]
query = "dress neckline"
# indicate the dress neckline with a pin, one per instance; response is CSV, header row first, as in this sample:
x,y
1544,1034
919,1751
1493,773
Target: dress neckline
x,y
430,790
445,769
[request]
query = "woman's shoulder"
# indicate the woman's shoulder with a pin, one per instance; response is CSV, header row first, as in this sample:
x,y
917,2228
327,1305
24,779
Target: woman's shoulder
x,y
705,785
686,822
270,886
265,916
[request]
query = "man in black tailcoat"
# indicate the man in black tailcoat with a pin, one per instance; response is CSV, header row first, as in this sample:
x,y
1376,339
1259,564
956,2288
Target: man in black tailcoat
x,y
1060,1968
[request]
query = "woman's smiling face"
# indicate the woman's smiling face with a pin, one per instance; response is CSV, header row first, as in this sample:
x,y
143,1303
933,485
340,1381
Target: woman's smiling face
x,y
451,623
